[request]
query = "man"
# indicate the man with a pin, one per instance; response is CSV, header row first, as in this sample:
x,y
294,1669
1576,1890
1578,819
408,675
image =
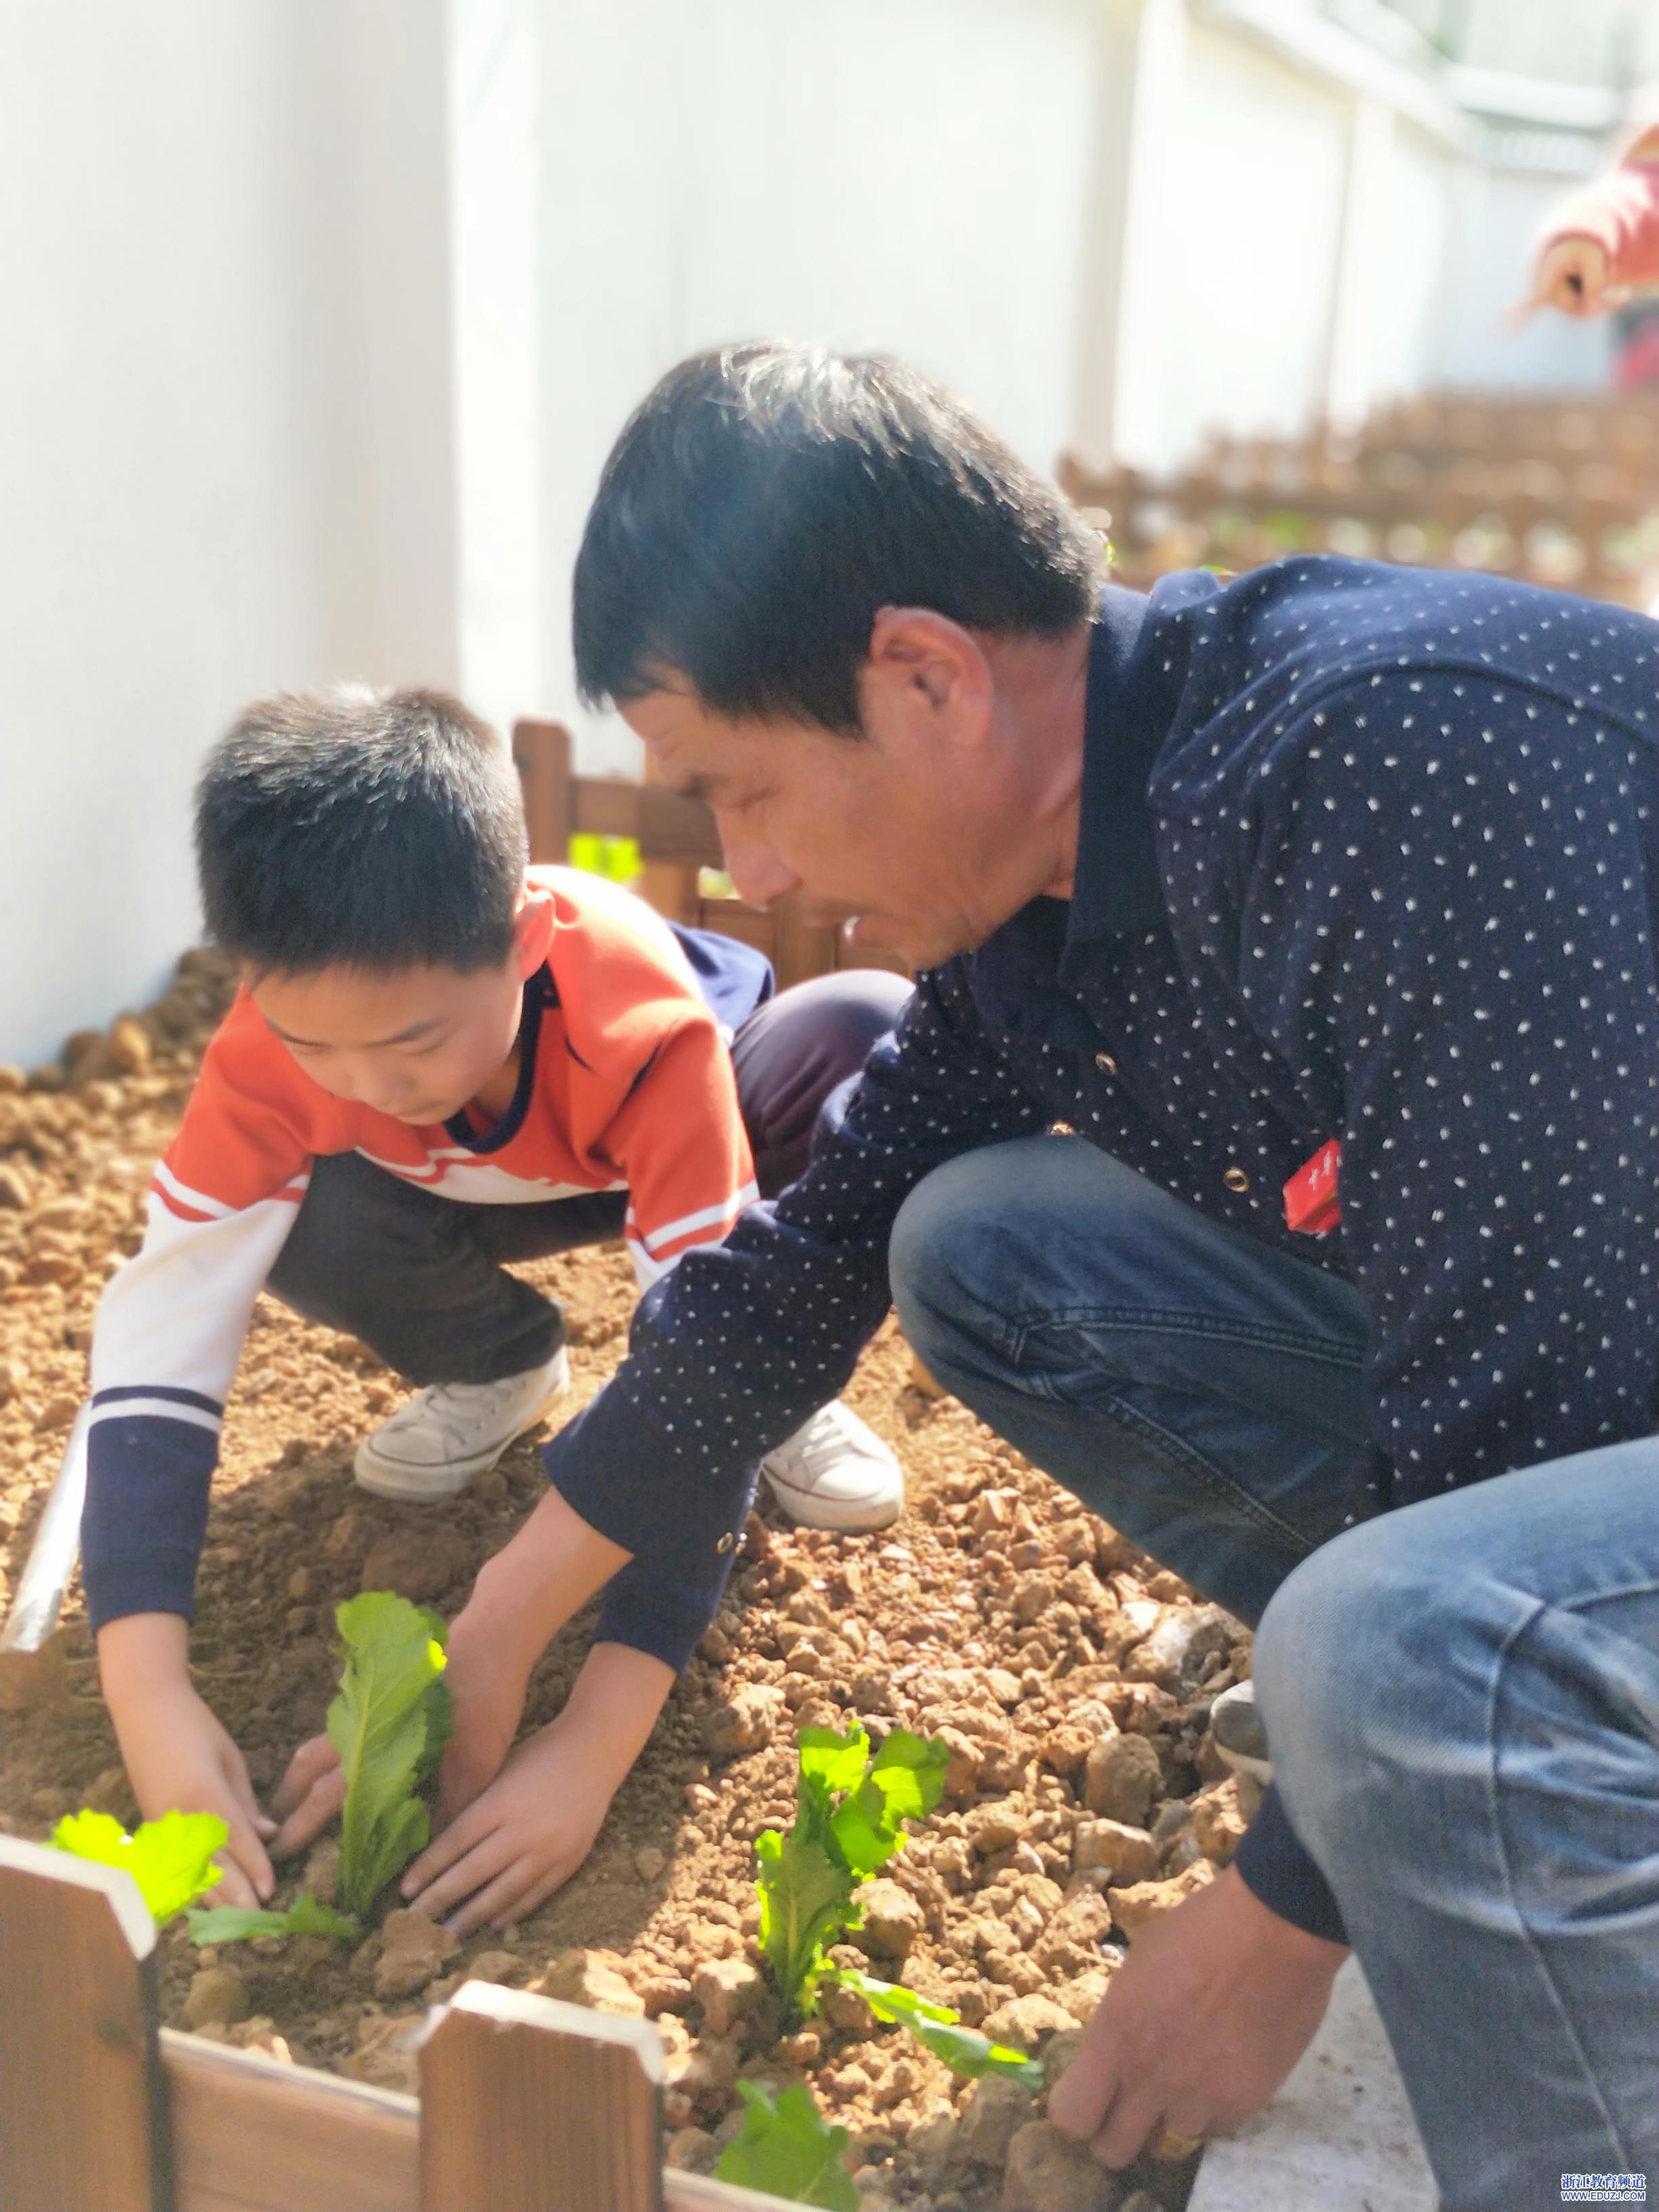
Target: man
x,y
1203,886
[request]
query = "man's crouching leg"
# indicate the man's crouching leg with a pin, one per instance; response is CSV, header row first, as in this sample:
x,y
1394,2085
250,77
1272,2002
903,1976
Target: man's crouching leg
x,y
1463,1702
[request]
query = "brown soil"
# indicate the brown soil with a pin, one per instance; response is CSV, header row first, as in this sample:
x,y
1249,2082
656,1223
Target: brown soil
x,y
1072,1679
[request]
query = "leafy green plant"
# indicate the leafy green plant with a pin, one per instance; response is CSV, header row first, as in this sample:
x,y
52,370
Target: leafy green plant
x,y
788,2147
233,1923
170,1859
939,2030
388,1724
848,1806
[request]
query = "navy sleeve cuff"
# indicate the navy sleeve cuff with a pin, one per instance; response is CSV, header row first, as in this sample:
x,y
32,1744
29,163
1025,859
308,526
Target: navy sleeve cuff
x,y
1275,1867
145,1515
599,1464
652,1613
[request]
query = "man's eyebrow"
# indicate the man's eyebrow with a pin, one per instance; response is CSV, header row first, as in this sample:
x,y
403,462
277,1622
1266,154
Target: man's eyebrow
x,y
701,787
404,1036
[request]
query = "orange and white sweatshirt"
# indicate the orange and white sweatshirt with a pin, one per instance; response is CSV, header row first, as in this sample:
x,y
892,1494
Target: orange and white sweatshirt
x,y
626,1083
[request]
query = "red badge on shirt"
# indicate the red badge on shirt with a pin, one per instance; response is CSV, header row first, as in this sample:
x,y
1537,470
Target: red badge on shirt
x,y
1310,1200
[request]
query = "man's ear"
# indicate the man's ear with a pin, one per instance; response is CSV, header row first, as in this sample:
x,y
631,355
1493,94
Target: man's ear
x,y
532,931
922,666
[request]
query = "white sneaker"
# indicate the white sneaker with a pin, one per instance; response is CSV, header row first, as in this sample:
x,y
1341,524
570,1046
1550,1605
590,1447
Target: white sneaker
x,y
433,1447
1239,1736
835,1472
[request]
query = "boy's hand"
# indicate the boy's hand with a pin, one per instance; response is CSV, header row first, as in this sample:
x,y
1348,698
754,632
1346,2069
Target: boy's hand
x,y
1214,2006
532,1827
177,1755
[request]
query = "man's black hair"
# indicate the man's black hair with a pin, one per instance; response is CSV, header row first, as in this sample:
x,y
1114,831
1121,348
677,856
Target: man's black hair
x,y
359,828
765,501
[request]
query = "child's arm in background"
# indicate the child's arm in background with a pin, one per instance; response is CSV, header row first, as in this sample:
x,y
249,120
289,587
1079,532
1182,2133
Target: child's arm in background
x,y
1604,241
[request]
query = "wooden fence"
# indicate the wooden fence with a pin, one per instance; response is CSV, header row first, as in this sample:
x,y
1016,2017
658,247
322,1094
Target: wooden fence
x,y
1565,494
526,2104
677,839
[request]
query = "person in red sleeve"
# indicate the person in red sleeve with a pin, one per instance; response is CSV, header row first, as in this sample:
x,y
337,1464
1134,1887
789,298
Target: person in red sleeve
x,y
1601,253
439,1060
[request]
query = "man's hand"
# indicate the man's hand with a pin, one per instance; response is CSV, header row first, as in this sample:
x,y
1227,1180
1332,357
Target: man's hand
x,y
1214,2006
535,1824
178,1756
308,1796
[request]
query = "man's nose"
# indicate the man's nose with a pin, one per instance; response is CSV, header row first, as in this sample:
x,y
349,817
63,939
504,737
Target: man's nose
x,y
758,876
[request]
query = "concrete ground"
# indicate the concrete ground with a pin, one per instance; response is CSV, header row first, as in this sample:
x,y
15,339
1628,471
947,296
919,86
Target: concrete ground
x,y
1338,2137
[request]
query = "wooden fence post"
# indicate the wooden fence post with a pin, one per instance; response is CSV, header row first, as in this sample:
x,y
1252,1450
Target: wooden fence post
x,y
540,2106
83,2122
541,753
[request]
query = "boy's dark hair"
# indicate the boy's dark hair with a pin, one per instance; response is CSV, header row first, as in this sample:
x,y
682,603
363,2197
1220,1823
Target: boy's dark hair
x,y
764,502
360,829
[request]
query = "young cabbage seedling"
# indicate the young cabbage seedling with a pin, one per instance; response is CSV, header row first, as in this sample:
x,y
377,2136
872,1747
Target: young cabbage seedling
x,y
848,1806
170,1859
388,1724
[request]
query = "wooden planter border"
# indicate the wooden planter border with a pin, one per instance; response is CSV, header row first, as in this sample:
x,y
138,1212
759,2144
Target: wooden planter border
x,y
526,2104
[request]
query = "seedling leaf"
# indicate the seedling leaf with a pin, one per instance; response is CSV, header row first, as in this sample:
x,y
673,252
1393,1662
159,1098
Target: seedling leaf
x,y
788,2148
170,1859
231,1924
939,2030
388,1724
903,1783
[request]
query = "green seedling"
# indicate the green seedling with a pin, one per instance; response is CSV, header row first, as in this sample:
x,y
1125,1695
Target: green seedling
x,y
388,1724
231,1924
848,1807
788,2148
170,1859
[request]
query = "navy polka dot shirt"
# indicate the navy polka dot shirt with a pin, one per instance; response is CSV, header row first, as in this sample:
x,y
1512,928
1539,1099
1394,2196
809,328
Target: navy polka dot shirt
x,y
1366,854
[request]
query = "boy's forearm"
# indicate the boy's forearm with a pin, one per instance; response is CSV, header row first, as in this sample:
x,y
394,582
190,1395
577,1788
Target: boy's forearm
x,y
142,1654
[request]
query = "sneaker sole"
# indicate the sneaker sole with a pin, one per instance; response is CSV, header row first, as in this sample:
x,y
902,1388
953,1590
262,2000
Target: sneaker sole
x,y
807,1511
386,1478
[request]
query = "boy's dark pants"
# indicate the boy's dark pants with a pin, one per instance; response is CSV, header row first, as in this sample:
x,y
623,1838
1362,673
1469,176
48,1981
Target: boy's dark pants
x,y
421,1279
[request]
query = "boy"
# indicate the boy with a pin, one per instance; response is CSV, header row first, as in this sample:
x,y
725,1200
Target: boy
x,y
439,1060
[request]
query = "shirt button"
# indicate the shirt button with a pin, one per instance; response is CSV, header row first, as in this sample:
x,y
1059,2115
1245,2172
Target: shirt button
x,y
726,1542
1236,1179
1105,1063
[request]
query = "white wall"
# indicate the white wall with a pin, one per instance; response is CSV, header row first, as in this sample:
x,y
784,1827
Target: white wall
x,y
910,178
1253,230
225,379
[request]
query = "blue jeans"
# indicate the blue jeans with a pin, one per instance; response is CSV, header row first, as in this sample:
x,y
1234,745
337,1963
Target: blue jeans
x,y
1462,1697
